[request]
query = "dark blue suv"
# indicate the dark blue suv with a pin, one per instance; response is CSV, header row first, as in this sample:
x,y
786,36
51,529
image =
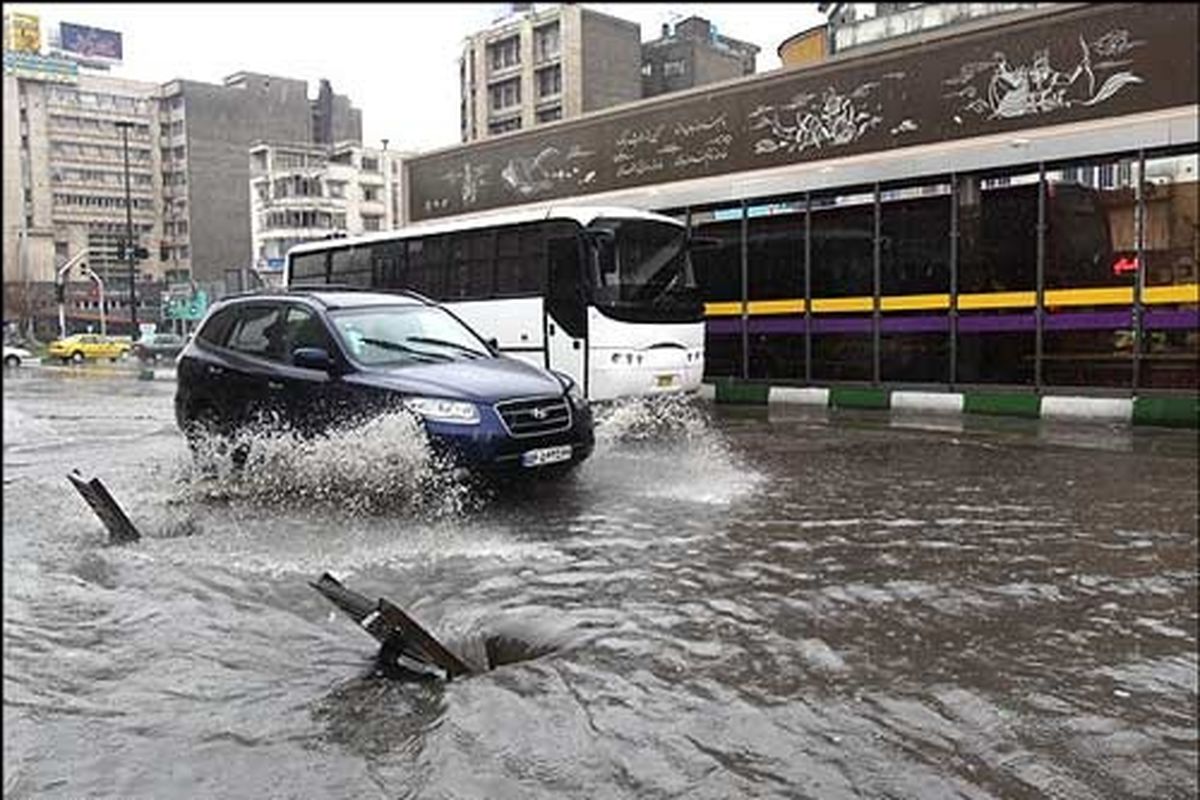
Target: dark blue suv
x,y
319,358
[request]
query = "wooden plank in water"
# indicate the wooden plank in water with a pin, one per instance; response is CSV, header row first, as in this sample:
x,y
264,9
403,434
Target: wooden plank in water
x,y
120,529
391,626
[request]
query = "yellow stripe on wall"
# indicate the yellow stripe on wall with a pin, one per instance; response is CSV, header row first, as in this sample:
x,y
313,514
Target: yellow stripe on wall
x,y
997,300
1181,293
836,304
1108,295
722,309
776,306
914,302
1099,296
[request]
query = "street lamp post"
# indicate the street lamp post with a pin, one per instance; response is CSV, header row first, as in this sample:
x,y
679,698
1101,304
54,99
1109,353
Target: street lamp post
x,y
91,273
125,125
60,290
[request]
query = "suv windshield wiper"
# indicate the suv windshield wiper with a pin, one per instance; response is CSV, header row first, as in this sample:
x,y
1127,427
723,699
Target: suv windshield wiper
x,y
443,342
386,345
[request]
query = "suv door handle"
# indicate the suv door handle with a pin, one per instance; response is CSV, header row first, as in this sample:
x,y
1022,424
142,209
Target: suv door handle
x,y
215,370
551,328
274,384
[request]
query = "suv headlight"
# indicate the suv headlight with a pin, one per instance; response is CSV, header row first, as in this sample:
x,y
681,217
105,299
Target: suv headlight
x,y
436,409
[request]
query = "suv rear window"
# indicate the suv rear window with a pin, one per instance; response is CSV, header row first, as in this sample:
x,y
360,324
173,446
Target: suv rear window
x,y
216,330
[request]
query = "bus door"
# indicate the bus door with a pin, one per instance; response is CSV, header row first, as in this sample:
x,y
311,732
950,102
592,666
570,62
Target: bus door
x,y
566,310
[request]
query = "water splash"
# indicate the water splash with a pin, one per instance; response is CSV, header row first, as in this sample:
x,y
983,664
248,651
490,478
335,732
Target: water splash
x,y
383,464
667,446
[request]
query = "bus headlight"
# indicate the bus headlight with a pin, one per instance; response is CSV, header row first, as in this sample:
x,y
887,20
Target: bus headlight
x,y
436,409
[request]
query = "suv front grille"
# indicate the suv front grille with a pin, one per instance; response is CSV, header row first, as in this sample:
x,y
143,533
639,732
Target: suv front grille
x,y
535,417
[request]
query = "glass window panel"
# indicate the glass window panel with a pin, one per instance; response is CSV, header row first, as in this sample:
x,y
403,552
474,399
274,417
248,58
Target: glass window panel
x,y
997,271
914,255
718,267
1170,348
1090,244
775,263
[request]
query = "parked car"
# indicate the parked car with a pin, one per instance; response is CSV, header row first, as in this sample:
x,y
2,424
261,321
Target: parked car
x,y
15,356
88,345
317,358
154,347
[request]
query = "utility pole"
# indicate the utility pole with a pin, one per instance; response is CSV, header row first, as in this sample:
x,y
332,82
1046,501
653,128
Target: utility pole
x,y
130,249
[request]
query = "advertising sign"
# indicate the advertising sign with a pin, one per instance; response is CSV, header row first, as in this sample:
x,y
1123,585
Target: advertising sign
x,y
24,33
41,68
88,42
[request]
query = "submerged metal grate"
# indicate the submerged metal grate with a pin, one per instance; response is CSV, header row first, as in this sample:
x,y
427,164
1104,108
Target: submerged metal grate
x,y
535,417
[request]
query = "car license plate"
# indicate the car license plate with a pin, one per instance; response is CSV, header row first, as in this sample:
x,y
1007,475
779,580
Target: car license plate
x,y
546,455
664,380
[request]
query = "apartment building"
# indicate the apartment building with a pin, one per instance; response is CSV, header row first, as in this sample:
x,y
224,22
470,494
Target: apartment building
x,y
534,67
301,192
693,54
64,174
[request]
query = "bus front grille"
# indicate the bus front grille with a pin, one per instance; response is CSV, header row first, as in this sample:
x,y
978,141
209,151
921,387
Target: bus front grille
x,y
535,417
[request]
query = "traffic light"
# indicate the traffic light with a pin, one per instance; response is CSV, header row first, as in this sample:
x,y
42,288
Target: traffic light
x,y
139,252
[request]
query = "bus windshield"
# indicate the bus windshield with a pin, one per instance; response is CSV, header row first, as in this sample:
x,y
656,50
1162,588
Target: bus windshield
x,y
642,271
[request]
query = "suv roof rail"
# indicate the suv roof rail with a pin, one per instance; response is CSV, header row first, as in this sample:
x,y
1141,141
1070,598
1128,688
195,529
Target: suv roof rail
x,y
315,288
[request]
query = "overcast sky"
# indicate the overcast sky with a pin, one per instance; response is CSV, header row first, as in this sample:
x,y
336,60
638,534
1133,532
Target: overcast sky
x,y
397,63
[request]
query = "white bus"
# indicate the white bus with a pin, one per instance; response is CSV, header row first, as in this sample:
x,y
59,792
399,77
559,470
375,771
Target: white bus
x,y
604,295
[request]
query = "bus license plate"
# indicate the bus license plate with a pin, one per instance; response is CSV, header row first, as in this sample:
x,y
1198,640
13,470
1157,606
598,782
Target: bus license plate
x,y
664,380
546,455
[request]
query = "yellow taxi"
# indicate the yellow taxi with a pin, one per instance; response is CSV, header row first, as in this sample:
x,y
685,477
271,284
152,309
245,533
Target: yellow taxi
x,y
88,345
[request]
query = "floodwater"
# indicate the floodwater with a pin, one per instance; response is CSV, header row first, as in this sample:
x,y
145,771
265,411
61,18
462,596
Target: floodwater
x,y
720,603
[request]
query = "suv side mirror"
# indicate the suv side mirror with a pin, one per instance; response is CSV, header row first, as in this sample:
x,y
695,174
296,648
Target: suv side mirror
x,y
493,345
312,358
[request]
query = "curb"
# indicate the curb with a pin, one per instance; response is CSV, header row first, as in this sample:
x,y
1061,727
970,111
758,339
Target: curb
x,y
1169,412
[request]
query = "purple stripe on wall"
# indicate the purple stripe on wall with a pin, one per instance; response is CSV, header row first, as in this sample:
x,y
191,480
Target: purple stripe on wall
x,y
1156,319
995,323
724,327
841,325
1089,320
925,323
1162,319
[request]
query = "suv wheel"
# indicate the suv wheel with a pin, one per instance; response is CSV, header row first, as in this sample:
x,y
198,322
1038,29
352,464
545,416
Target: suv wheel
x,y
77,357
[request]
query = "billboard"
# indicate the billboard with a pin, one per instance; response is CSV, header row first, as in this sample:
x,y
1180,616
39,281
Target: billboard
x,y
87,42
41,68
23,33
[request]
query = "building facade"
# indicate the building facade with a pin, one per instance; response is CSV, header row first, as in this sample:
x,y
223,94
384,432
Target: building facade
x,y
692,55
537,67
1007,202
65,140
302,192
209,129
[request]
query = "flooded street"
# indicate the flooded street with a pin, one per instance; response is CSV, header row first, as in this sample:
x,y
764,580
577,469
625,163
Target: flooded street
x,y
730,603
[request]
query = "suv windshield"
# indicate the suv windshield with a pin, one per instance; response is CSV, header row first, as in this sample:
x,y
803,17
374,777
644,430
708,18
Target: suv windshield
x,y
642,271
406,334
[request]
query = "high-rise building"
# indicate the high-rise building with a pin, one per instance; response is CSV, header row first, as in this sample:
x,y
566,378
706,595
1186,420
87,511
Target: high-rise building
x,y
536,67
64,174
208,130
693,54
302,192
